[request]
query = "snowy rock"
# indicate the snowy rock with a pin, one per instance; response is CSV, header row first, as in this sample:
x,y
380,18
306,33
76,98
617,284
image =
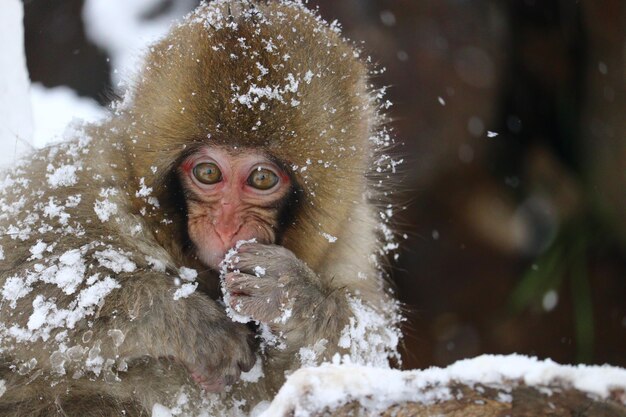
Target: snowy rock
x,y
310,391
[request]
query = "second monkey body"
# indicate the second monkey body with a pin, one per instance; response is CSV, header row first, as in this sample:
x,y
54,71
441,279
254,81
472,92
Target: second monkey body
x,y
249,121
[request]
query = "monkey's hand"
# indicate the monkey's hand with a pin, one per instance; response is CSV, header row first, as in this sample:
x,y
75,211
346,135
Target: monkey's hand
x,y
272,286
194,331
220,349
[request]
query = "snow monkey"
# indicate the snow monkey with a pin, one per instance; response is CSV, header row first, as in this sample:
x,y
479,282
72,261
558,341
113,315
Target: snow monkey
x,y
223,227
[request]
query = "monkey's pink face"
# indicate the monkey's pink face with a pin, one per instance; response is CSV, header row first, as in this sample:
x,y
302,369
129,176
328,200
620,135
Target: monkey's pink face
x,y
231,196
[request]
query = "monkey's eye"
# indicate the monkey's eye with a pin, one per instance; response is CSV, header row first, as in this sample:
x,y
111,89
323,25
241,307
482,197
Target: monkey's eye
x,y
262,179
207,173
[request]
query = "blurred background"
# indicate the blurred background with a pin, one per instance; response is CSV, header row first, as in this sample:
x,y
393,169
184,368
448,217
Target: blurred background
x,y
511,116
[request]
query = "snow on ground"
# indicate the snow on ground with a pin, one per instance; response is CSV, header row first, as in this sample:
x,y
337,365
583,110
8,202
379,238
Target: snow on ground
x,y
55,108
310,390
16,125
134,29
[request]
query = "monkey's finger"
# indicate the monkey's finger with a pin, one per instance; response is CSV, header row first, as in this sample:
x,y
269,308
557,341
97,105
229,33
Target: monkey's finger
x,y
263,250
237,284
260,309
240,284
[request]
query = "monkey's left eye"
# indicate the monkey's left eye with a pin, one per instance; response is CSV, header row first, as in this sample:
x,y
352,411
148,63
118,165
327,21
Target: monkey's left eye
x,y
262,179
207,173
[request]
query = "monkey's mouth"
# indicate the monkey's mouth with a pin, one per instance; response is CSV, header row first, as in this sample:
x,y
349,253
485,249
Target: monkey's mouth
x,y
211,248
214,256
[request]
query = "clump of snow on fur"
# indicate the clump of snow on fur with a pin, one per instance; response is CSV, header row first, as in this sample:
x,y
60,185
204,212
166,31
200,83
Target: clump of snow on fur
x,y
310,355
46,316
187,274
104,209
159,410
185,290
330,238
144,191
37,250
115,260
368,336
63,176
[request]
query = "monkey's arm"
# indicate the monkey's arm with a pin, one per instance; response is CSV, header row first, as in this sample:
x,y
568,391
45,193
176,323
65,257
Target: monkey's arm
x,y
140,319
193,330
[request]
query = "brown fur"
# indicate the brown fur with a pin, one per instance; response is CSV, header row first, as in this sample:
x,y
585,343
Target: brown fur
x,y
183,99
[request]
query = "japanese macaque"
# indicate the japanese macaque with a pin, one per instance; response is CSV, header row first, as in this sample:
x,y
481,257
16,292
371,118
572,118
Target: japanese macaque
x,y
230,214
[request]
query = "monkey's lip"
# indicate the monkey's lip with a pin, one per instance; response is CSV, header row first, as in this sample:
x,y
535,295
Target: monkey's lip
x,y
212,254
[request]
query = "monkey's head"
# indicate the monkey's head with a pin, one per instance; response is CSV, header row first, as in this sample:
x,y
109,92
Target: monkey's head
x,y
261,113
231,196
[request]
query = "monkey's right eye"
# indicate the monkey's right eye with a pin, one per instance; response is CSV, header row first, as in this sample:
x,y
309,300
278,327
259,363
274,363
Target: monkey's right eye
x,y
207,173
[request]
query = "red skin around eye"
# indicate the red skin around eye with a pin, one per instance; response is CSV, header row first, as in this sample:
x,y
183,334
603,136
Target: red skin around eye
x,y
231,210
187,165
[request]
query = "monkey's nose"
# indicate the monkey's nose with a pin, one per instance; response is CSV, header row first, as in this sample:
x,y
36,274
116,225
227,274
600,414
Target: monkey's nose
x,y
227,233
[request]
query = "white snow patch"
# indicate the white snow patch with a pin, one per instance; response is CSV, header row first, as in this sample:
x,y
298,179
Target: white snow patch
x,y
63,176
15,288
330,238
47,316
368,336
187,274
16,121
144,191
133,31
309,355
37,250
185,290
115,261
104,209
159,410
309,391
69,274
56,110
